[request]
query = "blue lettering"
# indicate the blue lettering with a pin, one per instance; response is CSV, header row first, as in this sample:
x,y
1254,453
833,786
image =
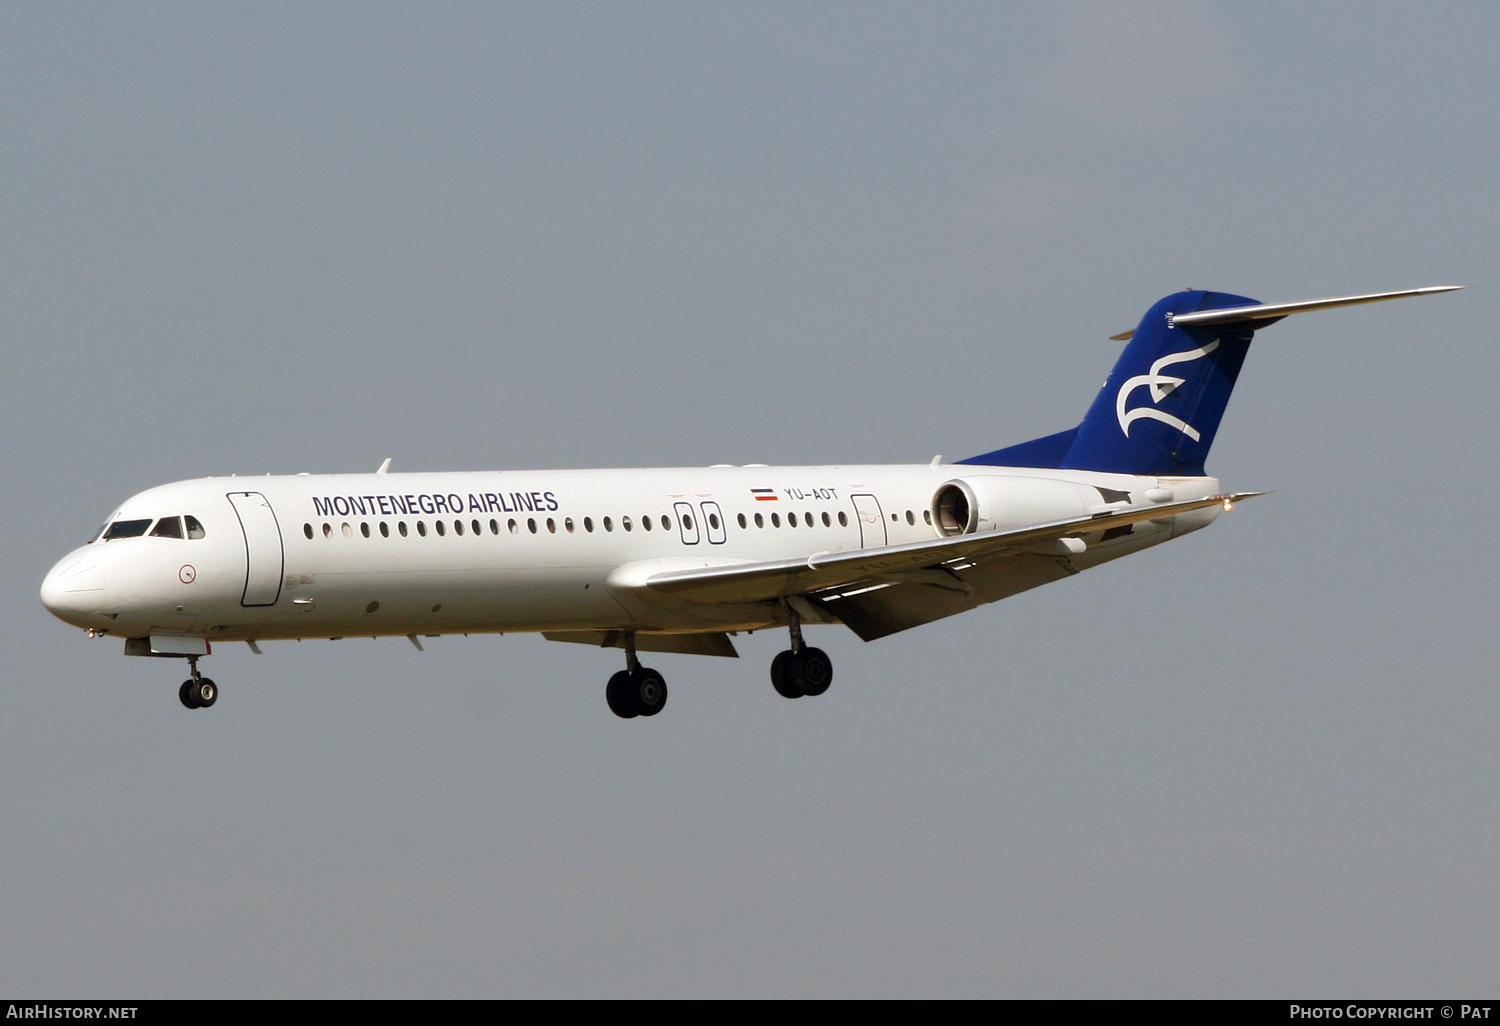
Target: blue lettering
x,y
551,500
441,502
538,504
341,505
491,502
522,499
425,504
475,506
385,508
356,503
455,503
322,507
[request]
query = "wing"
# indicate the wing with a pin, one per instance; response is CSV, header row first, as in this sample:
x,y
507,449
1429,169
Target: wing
x,y
879,591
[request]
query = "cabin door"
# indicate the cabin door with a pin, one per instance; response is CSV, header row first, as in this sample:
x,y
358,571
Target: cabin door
x,y
264,557
871,521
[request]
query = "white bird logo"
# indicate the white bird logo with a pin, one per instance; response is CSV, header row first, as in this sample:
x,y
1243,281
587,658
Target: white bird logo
x,y
1162,385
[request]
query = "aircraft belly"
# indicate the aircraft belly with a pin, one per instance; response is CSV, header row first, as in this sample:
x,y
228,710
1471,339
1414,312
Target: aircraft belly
x,y
433,601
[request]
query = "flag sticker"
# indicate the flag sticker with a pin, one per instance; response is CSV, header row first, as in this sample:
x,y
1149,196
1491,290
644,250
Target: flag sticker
x,y
763,494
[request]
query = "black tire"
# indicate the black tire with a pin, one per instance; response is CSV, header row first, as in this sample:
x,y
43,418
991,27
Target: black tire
x,y
206,693
782,679
813,671
185,695
617,694
649,691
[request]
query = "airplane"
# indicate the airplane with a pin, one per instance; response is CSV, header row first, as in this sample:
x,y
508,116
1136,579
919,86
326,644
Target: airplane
x,y
678,560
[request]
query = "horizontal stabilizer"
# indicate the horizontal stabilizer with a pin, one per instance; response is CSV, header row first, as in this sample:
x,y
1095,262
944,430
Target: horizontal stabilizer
x,y
1276,311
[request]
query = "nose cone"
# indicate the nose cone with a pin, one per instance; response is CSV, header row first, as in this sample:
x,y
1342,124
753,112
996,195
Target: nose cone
x,y
74,590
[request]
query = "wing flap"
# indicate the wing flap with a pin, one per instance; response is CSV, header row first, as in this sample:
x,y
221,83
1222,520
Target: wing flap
x,y
882,610
711,643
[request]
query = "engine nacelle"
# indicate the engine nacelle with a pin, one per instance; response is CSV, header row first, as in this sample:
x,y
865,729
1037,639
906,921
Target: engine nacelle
x,y
1001,502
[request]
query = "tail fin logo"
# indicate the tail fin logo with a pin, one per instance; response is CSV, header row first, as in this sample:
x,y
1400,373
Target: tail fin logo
x,y
1161,385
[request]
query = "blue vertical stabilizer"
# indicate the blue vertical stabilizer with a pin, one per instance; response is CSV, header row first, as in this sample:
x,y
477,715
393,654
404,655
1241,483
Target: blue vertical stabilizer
x,y
1161,406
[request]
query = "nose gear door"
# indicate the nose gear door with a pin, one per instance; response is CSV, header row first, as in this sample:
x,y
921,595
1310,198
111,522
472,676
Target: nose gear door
x,y
264,556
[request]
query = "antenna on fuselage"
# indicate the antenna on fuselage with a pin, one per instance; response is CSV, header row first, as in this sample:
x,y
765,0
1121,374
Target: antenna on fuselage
x,y
384,466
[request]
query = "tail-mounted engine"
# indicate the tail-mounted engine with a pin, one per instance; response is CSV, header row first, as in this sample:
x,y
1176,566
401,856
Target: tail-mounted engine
x,y
994,502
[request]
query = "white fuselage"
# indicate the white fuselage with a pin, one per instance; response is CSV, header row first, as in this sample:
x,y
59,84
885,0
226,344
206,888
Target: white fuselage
x,y
311,556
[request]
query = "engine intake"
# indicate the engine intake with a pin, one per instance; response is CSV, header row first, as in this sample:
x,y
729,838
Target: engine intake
x,y
998,502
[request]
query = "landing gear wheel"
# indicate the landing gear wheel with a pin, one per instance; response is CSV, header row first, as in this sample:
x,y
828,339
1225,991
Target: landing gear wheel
x,y
205,692
782,678
617,694
813,670
185,695
648,690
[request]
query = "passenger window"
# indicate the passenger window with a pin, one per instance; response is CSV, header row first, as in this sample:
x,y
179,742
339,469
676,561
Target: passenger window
x,y
194,529
687,522
458,528
348,531
511,525
477,529
168,527
364,529
910,519
401,528
775,519
791,519
385,530
713,521
807,518
531,525
666,525
126,529
307,530
588,524
760,520
327,530
568,524
494,527
646,523
843,520
440,527
741,519
625,523
551,526
927,516
608,524
827,522
421,529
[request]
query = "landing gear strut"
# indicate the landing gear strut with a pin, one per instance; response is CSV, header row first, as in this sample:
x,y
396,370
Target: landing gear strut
x,y
800,670
197,692
636,690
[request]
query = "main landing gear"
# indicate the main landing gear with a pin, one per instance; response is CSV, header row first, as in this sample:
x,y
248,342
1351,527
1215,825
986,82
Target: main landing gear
x,y
197,692
636,690
800,670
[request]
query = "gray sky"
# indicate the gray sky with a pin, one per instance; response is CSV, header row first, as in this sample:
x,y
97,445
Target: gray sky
x,y
1259,761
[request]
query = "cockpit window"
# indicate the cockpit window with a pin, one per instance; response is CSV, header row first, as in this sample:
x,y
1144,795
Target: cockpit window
x,y
126,529
168,527
194,529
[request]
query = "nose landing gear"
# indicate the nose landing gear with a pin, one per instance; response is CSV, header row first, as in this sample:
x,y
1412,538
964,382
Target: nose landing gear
x,y
800,670
637,690
197,692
